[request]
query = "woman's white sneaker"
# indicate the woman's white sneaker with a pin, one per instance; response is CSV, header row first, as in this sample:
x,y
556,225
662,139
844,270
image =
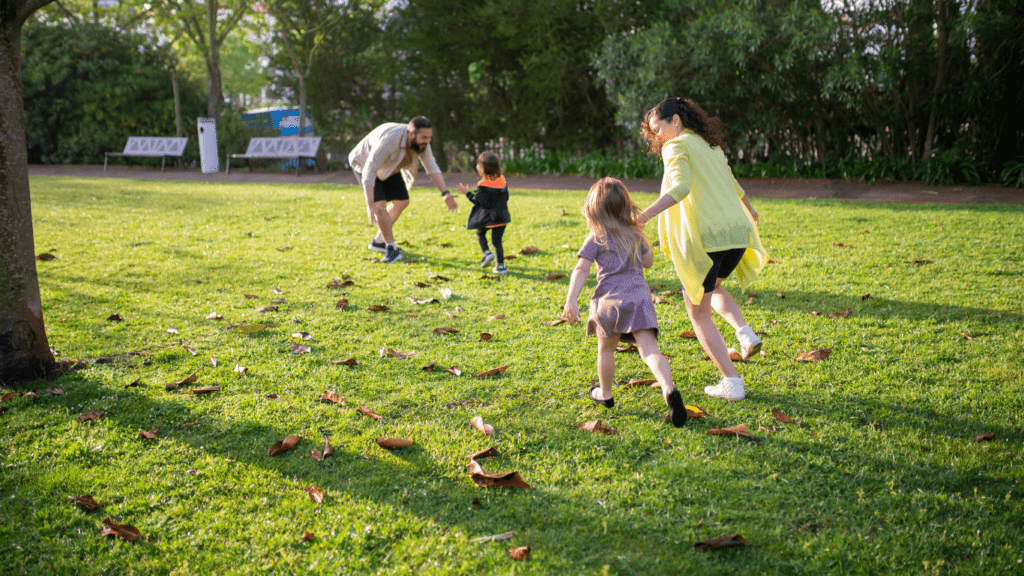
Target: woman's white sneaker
x,y
750,344
727,388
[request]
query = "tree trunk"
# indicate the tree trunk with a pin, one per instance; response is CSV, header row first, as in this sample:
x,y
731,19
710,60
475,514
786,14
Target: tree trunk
x,y
24,349
216,94
942,22
177,100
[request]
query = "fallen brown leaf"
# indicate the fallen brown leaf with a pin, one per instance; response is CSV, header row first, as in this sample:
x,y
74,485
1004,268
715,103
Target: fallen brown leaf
x,y
284,445
723,542
695,412
738,430
633,383
429,367
115,318
349,362
495,538
240,370
272,396
440,331
840,245
529,250
125,531
815,313
341,304
302,335
483,478
384,352
490,276
266,309
519,554
190,350
553,276
376,308
626,348
214,316
966,336
984,437
250,296
86,501
423,300
91,415
491,372
554,322
439,278
844,314
54,391
484,337
365,411
331,396
151,434
300,349
328,449
420,284
251,328
393,443
735,355
498,317
597,427
307,536
45,256
315,494
478,423
335,283
658,300
10,395
213,361
454,371
814,355
778,415
780,295
491,452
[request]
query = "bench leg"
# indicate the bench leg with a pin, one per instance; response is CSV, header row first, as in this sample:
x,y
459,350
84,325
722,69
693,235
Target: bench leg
x,y
227,161
162,162
105,157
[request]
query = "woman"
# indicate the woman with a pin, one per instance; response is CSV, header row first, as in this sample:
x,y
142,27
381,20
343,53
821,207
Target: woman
x,y
706,227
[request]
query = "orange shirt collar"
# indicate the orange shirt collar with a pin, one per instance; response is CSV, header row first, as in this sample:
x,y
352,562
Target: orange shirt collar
x,y
498,182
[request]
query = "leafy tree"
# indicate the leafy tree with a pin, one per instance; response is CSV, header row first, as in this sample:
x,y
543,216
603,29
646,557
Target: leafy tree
x,y
24,349
88,87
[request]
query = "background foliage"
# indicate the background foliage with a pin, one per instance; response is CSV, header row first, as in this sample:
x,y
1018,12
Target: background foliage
x,y
870,89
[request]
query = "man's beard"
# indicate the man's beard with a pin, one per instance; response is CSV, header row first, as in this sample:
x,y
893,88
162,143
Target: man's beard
x,y
419,148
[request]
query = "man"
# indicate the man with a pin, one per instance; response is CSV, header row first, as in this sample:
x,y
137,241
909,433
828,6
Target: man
x,y
385,163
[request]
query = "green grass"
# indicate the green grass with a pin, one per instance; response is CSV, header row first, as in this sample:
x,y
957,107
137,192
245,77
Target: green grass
x,y
880,475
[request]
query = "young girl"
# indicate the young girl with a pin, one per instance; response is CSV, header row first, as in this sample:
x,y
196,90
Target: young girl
x,y
621,303
490,209
707,228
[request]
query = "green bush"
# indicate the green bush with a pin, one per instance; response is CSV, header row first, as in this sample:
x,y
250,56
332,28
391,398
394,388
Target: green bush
x,y
1012,174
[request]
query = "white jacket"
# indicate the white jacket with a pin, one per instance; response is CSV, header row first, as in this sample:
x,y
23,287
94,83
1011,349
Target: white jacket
x,y
380,152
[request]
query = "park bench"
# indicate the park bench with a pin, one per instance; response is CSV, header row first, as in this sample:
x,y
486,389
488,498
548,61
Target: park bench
x,y
150,146
297,147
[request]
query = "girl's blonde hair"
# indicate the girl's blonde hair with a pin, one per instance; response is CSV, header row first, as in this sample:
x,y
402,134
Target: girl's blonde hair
x,y
610,215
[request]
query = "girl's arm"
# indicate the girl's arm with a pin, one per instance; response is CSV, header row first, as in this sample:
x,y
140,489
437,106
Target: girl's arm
x,y
646,254
571,309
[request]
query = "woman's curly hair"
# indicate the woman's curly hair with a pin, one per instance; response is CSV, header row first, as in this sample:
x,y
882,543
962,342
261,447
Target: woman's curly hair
x,y
693,117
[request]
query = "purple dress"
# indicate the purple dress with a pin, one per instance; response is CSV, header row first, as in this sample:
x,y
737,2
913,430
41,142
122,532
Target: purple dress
x,y
622,300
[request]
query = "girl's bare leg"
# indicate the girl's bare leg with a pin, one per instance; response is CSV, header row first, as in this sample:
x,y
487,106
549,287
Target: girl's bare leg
x,y
709,336
723,303
606,365
655,360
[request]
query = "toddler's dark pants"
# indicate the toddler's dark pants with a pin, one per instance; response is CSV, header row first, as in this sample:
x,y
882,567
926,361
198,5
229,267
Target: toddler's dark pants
x,y
496,233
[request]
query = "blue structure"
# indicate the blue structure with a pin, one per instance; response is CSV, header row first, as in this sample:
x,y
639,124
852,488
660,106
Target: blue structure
x,y
284,120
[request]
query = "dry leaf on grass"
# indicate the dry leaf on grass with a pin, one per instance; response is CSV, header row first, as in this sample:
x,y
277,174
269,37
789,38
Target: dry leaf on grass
x,y
341,304
491,372
214,316
328,449
190,350
45,256
454,371
778,415
240,370
10,395
272,396
780,295
814,355
125,531
626,348
307,536
484,337
284,445
335,283
213,361
441,331
365,411
205,390
331,396
385,352
277,291
429,367
115,318
498,317
735,355
423,300
529,250
633,383
91,415
844,314
554,322
86,501
737,430
380,308
841,245
695,412
519,554
302,335
659,300
815,313
266,309
54,391
496,537
483,478
251,328
315,494
966,336
478,423
393,443
984,437
553,276
151,434
300,349
349,362
723,542
490,452
597,427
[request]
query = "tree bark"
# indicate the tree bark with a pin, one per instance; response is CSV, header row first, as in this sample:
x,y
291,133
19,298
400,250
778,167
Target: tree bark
x,y
177,100
942,23
214,84
24,349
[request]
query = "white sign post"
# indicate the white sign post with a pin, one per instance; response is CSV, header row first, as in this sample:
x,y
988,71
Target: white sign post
x,y
208,157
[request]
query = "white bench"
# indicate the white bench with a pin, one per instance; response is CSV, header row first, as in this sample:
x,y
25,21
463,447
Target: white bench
x,y
297,147
150,146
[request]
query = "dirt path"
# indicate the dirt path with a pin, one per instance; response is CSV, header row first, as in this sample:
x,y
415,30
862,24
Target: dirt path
x,y
795,188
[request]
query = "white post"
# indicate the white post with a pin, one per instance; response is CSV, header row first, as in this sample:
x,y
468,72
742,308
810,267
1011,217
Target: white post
x,y
208,156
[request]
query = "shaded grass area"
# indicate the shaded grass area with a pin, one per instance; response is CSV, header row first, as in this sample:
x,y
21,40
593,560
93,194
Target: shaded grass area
x,y
881,473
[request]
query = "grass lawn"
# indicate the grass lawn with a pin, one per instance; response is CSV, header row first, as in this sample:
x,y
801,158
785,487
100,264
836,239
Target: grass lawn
x,y
881,472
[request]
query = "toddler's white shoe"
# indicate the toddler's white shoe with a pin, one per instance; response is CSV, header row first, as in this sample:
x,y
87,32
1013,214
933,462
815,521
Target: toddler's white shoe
x,y
727,388
750,344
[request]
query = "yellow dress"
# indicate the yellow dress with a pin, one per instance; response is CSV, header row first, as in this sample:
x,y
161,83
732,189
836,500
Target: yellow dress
x,y
709,215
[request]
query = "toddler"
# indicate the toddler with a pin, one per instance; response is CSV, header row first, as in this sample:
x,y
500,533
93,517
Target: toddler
x,y
490,209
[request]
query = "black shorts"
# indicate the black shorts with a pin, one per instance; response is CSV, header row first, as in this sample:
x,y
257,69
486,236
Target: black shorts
x,y
722,264
391,189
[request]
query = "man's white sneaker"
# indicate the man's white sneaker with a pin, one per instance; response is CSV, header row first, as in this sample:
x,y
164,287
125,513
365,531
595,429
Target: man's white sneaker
x,y
750,344
727,388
